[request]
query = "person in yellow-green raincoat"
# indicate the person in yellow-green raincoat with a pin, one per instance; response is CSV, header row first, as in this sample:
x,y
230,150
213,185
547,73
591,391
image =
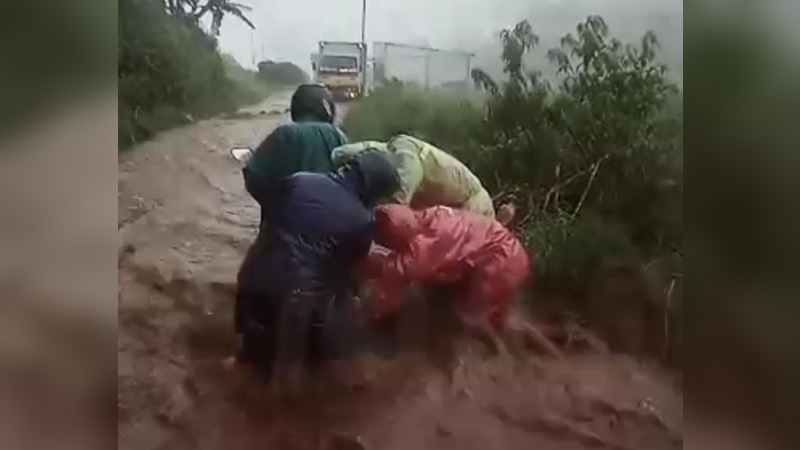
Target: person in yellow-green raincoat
x,y
429,176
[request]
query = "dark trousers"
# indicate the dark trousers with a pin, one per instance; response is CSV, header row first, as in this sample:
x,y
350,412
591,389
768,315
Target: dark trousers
x,y
256,320
274,331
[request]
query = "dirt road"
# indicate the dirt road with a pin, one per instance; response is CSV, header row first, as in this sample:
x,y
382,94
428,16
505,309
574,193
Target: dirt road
x,y
184,223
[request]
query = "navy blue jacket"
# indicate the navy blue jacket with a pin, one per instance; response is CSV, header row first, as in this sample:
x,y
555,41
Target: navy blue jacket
x,y
319,226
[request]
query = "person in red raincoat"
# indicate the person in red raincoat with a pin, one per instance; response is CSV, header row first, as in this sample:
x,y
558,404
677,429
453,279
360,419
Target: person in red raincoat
x,y
443,245
476,254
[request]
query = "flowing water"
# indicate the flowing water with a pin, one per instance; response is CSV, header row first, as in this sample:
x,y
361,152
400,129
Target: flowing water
x,y
185,222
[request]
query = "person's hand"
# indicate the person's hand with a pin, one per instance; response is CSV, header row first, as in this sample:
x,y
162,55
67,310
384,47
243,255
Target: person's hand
x,y
506,213
371,266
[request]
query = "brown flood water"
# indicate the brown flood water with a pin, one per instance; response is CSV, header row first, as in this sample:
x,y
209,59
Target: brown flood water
x,y
185,222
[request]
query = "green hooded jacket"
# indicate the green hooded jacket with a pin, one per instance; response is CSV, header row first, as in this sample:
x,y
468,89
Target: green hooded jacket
x,y
303,146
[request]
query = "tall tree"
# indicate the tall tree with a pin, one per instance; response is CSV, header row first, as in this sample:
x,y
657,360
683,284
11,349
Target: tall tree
x,y
194,10
218,10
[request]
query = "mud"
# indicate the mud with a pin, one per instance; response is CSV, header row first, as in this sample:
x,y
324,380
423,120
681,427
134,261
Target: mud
x,y
184,224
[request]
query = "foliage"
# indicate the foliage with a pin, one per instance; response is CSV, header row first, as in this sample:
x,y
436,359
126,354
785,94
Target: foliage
x,y
568,253
194,11
395,108
602,143
170,72
601,139
285,73
594,161
248,85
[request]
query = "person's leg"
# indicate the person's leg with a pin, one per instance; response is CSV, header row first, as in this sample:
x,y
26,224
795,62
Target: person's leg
x,y
489,297
502,292
532,336
256,329
238,356
292,341
239,315
329,332
479,304
317,348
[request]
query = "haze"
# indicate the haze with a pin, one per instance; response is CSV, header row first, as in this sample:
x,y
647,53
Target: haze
x,y
290,30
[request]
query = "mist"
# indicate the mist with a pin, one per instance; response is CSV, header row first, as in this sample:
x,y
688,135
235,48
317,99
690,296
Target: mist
x,y
289,31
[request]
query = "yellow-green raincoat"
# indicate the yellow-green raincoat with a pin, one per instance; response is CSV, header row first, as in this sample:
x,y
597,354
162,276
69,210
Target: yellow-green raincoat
x,y
428,176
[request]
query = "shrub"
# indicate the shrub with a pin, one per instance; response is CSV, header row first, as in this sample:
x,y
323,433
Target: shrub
x,y
248,85
602,138
568,254
444,119
282,73
170,72
594,160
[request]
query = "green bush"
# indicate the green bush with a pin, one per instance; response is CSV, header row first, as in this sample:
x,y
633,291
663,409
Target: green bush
x,y
248,85
594,161
394,108
603,138
170,72
284,73
569,253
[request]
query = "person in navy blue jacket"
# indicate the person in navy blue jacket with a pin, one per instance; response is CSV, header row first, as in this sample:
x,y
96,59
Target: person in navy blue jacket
x,y
297,274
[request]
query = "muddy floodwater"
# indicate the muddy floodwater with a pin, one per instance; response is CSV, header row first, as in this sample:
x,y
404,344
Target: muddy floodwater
x,y
185,222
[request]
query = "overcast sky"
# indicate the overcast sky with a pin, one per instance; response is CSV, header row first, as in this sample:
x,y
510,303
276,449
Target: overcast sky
x,y
290,29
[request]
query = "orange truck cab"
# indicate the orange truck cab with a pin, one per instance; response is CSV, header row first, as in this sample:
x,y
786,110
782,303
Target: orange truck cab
x,y
340,66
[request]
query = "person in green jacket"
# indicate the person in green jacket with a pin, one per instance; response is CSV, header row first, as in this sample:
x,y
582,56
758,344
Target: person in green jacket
x,y
429,176
304,145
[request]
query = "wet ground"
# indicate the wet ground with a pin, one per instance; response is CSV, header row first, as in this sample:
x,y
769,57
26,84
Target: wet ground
x,y
185,222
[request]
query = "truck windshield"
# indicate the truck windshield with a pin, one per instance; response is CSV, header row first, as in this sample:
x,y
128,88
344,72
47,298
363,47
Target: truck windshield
x,y
336,63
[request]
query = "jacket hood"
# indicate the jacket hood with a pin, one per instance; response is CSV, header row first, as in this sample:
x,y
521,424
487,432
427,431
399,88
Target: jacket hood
x,y
371,176
312,102
395,226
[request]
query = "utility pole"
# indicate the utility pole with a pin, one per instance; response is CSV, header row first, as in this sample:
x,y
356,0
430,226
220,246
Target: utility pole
x,y
253,48
469,68
363,20
363,47
427,70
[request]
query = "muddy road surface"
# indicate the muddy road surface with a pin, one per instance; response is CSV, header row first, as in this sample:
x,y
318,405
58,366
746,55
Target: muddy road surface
x,y
184,224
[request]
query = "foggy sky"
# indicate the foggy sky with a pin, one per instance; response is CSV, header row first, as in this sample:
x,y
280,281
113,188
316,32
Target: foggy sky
x,y
290,30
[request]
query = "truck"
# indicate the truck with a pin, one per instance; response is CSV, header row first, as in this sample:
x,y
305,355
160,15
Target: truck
x,y
341,66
